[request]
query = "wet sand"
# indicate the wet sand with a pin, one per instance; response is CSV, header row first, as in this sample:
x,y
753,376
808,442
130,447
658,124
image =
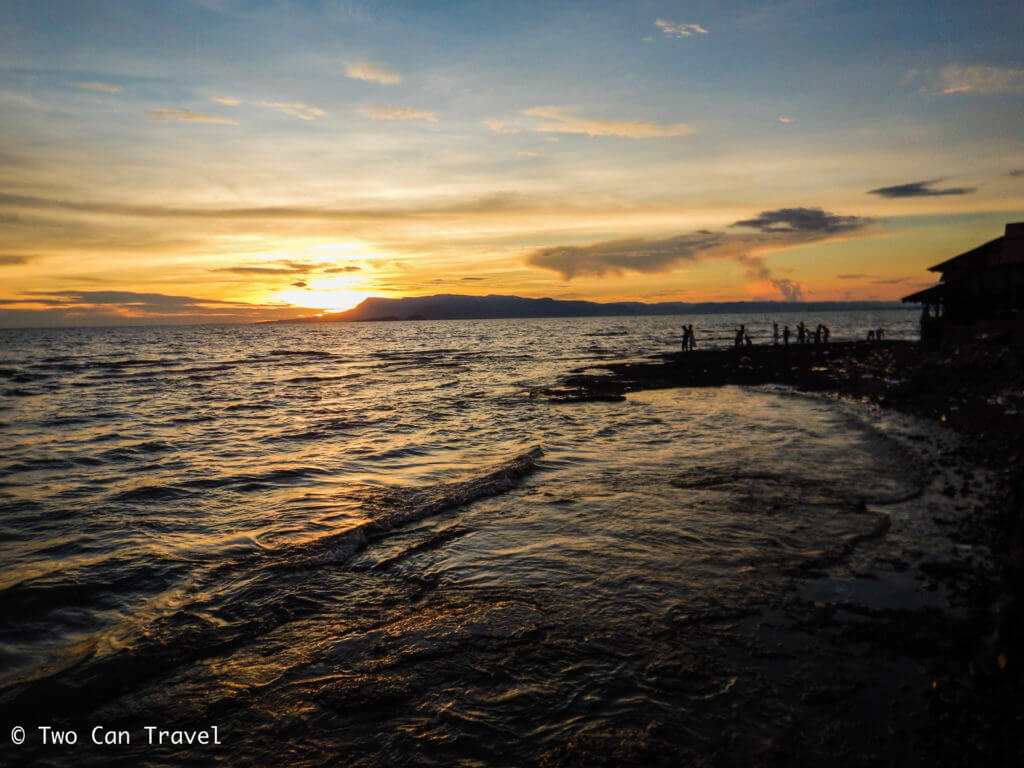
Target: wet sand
x,y
964,410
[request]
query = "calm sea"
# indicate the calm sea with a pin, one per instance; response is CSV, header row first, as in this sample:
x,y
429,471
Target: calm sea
x,y
365,544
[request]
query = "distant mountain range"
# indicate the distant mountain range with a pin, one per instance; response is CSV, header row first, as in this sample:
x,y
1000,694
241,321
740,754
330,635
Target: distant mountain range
x,y
449,306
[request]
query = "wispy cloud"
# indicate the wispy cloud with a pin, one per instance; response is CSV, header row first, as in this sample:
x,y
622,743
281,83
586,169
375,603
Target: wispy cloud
x,y
147,302
227,101
672,29
563,121
95,85
527,153
852,276
372,73
981,80
284,267
13,259
484,206
500,127
779,229
63,307
785,119
920,189
392,112
301,111
180,114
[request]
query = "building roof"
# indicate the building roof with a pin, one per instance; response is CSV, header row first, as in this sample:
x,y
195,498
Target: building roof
x,y
931,295
1006,252
988,253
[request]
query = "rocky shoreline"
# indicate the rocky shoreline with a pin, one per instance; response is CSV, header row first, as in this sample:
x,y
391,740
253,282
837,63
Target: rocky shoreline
x,y
974,395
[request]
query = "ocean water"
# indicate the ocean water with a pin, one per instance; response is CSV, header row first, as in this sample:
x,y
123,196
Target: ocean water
x,y
365,544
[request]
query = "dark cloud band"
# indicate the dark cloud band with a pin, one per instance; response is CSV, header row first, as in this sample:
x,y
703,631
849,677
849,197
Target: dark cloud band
x,y
920,189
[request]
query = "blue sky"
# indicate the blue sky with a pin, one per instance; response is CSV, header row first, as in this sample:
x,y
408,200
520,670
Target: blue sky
x,y
275,156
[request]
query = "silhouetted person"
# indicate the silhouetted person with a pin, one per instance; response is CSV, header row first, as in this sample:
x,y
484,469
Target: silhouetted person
x,y
817,335
686,338
693,341
746,339
801,333
879,333
785,335
740,333
825,333
871,335
775,334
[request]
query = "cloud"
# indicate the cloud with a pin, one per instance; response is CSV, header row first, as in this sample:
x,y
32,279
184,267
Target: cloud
x,y
981,80
95,85
146,302
527,153
342,270
471,278
672,29
802,220
165,114
890,281
299,284
392,112
69,307
499,127
227,101
791,290
852,276
920,189
301,111
785,119
566,122
12,259
285,267
615,257
485,205
372,73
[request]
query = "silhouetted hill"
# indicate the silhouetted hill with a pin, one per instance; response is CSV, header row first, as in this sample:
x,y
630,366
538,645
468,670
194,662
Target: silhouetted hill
x,y
456,307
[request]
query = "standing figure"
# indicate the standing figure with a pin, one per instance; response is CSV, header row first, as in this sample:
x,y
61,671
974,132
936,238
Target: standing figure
x,y
686,338
817,335
871,335
785,335
775,334
693,341
740,333
879,333
826,333
801,333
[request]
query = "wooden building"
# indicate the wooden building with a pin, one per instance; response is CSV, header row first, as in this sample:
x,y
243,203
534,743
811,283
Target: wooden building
x,y
982,285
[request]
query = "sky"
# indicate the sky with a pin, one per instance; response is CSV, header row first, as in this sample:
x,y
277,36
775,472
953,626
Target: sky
x,y
224,161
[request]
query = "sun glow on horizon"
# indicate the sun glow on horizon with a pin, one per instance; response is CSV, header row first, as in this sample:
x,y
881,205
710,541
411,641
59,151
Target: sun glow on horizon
x,y
324,299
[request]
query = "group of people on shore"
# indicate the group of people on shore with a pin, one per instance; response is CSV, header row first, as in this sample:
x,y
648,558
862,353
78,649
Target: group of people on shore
x,y
820,335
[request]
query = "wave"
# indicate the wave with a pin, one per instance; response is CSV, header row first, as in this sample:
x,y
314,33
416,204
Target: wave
x,y
299,353
315,379
245,482
398,507
197,629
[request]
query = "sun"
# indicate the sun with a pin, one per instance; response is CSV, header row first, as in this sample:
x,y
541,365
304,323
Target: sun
x,y
327,300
